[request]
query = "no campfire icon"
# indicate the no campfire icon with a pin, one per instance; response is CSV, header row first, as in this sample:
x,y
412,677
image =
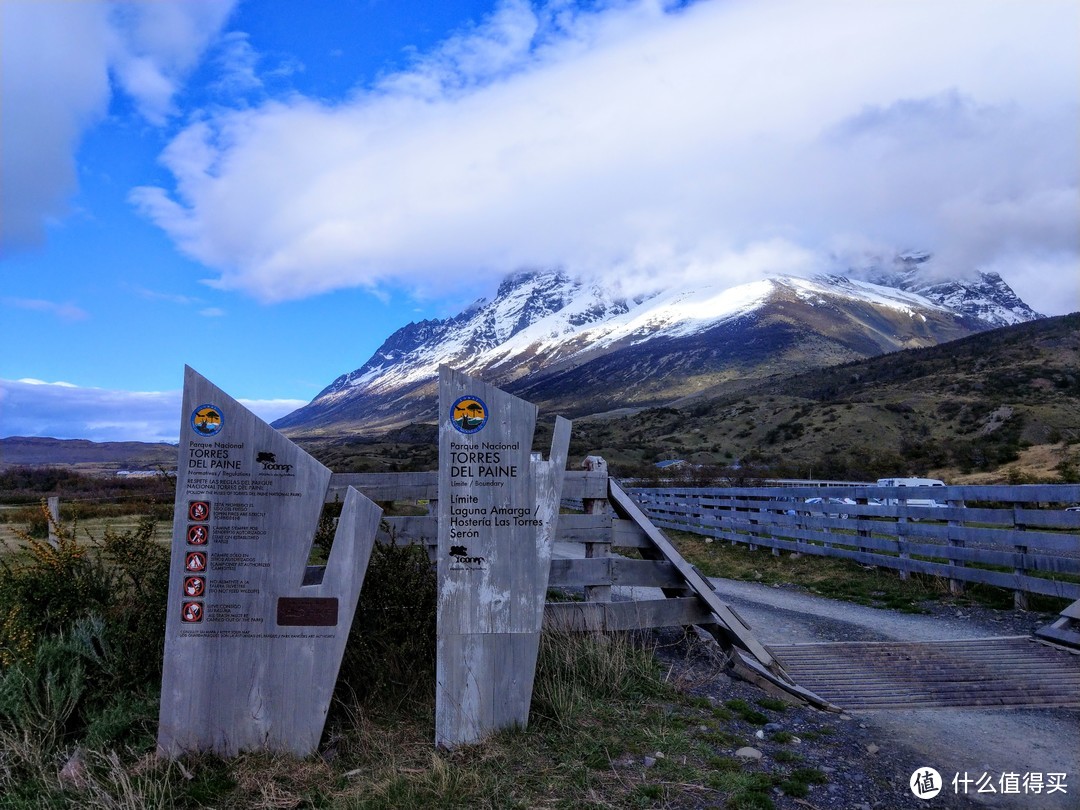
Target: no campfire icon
x,y
192,612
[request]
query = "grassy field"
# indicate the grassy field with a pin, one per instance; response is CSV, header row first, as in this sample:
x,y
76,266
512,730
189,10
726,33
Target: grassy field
x,y
84,529
842,579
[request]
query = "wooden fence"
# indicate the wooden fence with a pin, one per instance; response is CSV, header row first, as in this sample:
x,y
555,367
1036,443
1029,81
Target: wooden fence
x,y
585,565
1021,538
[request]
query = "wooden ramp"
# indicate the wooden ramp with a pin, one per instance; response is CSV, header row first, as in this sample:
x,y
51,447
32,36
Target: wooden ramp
x,y
1009,671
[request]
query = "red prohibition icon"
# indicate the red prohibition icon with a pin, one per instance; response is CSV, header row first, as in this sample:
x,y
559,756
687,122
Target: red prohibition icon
x,y
198,534
195,561
198,510
194,586
192,612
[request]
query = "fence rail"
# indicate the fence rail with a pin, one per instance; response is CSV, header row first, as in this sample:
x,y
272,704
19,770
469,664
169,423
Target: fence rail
x,y
1021,538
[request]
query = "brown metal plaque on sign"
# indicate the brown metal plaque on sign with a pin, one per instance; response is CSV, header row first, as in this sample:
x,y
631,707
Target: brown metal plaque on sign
x,y
299,611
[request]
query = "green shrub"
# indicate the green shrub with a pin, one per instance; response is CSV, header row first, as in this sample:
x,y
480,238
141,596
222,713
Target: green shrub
x,y
123,579
138,569
81,634
391,648
47,591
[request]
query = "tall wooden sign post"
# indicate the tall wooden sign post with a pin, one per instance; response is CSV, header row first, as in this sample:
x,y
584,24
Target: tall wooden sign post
x,y
251,653
498,507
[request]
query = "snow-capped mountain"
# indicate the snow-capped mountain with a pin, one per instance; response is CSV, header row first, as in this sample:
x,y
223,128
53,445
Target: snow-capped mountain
x,y
579,348
987,297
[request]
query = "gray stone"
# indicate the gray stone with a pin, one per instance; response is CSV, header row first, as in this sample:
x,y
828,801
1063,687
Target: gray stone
x,y
748,753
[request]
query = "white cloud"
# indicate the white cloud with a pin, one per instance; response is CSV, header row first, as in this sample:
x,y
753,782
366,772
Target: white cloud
x,y
650,140
64,411
58,59
64,311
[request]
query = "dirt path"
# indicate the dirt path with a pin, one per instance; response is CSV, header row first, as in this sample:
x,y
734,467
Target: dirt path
x,y
953,741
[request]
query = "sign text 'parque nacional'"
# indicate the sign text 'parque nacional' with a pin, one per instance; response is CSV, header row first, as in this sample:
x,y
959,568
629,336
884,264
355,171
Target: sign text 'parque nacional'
x,y
251,651
498,505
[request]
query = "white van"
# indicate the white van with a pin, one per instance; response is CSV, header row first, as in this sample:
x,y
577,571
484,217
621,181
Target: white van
x,y
911,482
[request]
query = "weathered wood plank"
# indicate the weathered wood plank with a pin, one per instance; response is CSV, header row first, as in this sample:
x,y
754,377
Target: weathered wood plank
x,y
627,534
618,616
583,572
645,573
580,572
410,486
723,616
1040,585
1072,611
1060,635
387,486
1002,538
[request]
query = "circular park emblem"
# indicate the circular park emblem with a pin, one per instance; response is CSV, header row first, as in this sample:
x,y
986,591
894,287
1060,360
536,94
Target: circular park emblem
x,y
469,414
207,420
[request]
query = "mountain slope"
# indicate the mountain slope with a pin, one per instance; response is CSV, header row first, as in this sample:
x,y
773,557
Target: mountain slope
x,y
962,408
582,349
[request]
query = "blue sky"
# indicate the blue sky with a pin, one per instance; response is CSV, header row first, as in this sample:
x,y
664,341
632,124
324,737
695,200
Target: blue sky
x,y
266,190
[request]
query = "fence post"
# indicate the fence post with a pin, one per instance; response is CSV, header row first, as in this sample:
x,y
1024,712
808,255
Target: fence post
x,y
54,519
956,586
901,537
1020,597
596,506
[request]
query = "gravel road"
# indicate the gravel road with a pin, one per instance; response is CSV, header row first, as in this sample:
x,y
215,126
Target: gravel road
x,y
873,754
953,741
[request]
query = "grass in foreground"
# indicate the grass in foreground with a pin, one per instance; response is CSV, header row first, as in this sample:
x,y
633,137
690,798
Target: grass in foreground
x,y
606,730
78,708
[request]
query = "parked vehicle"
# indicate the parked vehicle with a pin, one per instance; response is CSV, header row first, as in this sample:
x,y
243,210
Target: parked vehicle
x,y
827,501
911,482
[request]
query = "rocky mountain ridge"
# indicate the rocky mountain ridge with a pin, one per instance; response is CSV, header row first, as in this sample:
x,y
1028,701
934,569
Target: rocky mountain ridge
x,y
581,348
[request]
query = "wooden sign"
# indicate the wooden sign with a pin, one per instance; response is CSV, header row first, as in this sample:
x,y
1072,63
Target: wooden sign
x,y
498,507
251,653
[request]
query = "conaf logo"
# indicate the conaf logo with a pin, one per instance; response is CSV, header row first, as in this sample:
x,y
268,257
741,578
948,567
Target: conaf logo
x,y
269,462
461,554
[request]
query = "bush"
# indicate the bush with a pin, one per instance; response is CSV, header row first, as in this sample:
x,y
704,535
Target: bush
x,y
47,593
391,649
81,635
51,588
